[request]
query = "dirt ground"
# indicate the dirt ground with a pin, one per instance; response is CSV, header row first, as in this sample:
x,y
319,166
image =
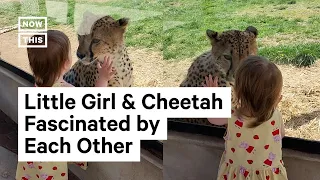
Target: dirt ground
x,y
300,105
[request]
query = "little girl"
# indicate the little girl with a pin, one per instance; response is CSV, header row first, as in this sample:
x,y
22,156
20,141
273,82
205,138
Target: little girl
x,y
255,129
48,66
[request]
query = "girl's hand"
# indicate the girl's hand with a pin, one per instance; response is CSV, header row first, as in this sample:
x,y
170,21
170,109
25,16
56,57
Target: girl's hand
x,y
209,82
106,71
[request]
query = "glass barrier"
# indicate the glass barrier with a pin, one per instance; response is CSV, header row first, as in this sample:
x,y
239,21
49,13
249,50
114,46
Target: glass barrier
x,y
164,37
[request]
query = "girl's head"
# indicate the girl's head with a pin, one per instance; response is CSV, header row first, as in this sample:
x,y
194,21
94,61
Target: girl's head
x,y
48,64
258,86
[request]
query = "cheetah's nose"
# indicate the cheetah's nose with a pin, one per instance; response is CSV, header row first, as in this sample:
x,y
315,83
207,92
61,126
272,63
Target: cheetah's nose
x,y
80,55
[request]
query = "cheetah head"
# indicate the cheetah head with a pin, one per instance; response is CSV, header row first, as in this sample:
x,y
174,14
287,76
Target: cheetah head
x,y
106,38
234,45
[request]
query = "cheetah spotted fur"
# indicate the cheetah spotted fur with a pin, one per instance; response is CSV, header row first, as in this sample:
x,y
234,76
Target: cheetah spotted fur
x,y
228,49
106,38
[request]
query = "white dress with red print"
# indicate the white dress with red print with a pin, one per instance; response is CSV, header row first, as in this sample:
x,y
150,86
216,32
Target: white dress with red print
x,y
253,153
46,170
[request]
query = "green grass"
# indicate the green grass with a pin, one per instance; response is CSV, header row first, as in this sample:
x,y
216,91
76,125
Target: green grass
x,y
180,32
190,40
71,6
265,1
298,55
9,13
146,33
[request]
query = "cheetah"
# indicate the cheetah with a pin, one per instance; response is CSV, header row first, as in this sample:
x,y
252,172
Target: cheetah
x,y
228,49
106,38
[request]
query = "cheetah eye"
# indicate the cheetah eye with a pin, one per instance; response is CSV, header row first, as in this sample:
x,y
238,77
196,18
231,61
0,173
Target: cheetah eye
x,y
228,57
95,40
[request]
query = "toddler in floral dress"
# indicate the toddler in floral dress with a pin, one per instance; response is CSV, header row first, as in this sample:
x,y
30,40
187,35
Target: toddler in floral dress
x,y
48,66
253,142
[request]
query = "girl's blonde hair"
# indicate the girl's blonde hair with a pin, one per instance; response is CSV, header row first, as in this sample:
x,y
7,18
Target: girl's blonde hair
x,y
47,63
258,86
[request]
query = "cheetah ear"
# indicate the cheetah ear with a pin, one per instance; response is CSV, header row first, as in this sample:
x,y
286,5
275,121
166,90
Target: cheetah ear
x,y
123,22
252,30
212,35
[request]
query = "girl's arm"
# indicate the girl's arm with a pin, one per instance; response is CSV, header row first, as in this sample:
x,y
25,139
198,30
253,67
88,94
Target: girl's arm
x,y
283,133
282,130
218,121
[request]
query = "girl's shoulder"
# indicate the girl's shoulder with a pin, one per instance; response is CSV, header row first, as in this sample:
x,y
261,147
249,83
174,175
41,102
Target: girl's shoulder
x,y
276,118
62,84
234,113
276,114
